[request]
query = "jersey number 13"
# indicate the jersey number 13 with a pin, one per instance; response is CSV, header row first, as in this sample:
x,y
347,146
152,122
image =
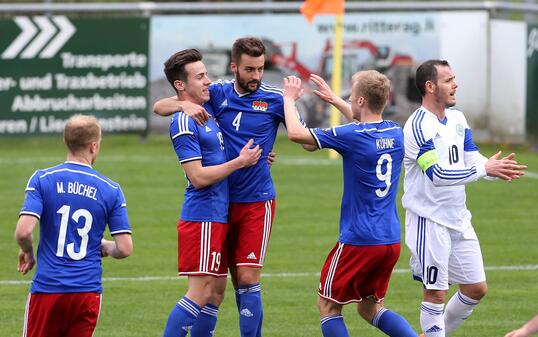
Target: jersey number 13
x,y
82,232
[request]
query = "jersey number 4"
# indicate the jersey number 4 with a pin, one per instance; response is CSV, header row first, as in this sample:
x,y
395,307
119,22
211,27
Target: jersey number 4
x,y
237,121
385,177
83,232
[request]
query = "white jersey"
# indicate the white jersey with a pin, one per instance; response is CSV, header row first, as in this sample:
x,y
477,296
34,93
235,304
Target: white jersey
x,y
440,158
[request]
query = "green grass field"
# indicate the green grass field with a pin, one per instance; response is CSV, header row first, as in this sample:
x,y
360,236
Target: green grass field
x,y
139,291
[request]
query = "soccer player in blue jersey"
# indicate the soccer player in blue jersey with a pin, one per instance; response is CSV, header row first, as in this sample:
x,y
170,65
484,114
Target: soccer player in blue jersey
x,y
202,227
245,108
73,204
358,268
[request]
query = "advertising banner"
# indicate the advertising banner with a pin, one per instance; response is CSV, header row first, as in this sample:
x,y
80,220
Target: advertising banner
x,y
393,43
55,66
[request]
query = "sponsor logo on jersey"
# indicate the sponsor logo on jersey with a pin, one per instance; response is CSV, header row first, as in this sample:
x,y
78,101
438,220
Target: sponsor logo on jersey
x,y
260,105
251,256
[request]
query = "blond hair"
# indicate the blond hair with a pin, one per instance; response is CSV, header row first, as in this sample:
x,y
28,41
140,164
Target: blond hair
x,y
81,130
374,87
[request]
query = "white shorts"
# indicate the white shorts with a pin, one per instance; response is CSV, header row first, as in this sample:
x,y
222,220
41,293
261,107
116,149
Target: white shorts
x,y
441,256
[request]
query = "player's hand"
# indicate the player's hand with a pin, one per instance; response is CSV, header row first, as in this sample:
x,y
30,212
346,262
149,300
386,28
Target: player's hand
x,y
271,158
506,168
292,87
324,90
195,111
26,262
518,333
106,247
250,156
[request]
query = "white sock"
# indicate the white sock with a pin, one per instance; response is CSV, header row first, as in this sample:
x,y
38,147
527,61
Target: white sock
x,y
458,309
431,319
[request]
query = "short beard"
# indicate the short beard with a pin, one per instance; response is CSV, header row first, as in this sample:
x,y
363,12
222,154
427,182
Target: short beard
x,y
244,85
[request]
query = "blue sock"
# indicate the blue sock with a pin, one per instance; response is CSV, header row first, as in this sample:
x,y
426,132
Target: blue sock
x,y
250,309
333,326
259,331
392,324
237,300
181,318
206,322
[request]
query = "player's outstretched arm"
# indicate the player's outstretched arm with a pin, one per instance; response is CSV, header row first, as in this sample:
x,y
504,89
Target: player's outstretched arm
x,y
296,131
527,330
325,93
505,168
203,176
170,105
25,240
120,248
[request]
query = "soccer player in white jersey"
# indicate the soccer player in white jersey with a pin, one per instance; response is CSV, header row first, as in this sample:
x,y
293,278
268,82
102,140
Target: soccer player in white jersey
x,y
359,267
73,204
440,158
202,227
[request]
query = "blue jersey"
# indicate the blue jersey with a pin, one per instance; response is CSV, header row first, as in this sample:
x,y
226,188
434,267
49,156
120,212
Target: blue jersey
x,y
255,115
74,203
372,159
194,142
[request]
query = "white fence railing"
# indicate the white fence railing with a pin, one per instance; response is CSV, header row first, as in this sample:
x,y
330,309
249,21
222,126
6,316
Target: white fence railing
x,y
148,8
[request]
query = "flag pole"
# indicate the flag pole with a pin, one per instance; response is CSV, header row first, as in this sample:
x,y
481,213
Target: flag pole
x,y
336,81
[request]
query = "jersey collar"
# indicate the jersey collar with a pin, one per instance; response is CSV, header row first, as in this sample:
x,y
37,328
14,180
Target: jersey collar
x,y
237,92
77,163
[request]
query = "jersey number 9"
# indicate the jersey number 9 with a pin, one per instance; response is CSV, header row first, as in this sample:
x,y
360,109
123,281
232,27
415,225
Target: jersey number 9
x,y
385,177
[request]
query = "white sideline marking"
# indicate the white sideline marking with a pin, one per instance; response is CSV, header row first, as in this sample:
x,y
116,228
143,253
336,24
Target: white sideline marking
x,y
264,275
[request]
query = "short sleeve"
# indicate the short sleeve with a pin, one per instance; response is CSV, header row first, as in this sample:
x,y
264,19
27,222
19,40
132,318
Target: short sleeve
x,y
118,222
184,136
33,201
336,138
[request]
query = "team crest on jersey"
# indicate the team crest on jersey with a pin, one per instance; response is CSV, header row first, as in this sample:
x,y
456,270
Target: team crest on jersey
x,y
460,130
260,105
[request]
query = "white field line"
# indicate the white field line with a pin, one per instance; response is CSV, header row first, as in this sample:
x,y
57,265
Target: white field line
x,y
280,160
264,275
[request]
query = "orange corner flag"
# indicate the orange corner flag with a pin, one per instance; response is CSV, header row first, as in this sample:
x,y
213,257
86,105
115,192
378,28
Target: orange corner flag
x,y
311,8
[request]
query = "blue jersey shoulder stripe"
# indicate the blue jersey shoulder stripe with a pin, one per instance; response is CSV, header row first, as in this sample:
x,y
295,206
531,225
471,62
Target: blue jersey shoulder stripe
x,y
183,125
28,188
81,172
416,126
220,82
271,87
272,91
